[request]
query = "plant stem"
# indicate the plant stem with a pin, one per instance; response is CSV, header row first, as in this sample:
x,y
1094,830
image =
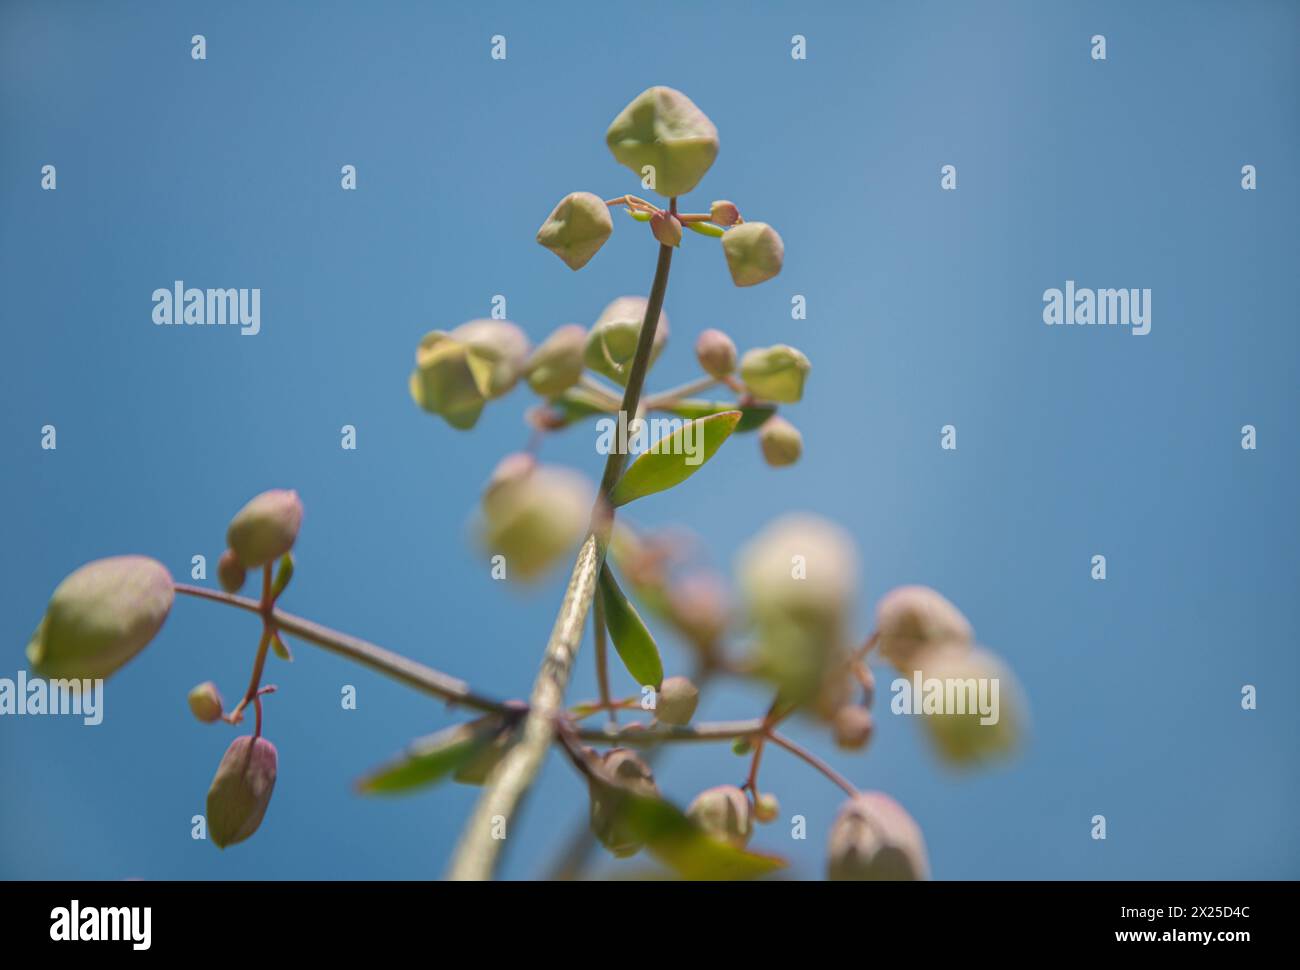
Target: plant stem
x,y
479,849
674,394
812,759
602,658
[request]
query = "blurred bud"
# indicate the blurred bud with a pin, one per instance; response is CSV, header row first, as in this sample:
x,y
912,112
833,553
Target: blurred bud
x,y
442,382
205,702
265,529
754,253
853,727
716,353
557,365
678,699
230,574
533,515
874,838
497,351
698,607
781,442
666,228
663,128
724,813
766,809
576,228
741,747
241,790
775,373
981,715
911,618
611,343
723,213
101,616
623,772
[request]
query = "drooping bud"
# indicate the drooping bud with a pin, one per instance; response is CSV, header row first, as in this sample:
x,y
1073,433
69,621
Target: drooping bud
x,y
766,808
205,702
101,616
442,382
723,213
754,253
982,713
716,353
611,343
666,228
623,772
576,228
678,699
781,441
241,790
775,373
556,365
912,618
230,572
663,129
533,515
723,812
496,352
874,838
265,529
853,727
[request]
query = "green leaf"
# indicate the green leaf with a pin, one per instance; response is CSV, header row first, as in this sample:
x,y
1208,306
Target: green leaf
x,y
706,229
638,215
751,415
635,646
280,647
432,758
668,464
575,404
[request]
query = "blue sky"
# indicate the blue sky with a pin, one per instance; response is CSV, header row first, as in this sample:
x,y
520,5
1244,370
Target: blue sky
x,y
924,309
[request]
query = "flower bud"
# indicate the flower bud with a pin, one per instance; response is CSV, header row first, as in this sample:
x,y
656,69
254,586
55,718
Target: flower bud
x,y
853,727
911,618
205,702
624,772
781,442
230,573
874,838
442,382
775,373
611,343
698,607
678,699
741,747
101,616
766,808
662,128
716,353
557,364
241,790
723,213
496,352
533,515
265,529
981,717
754,253
576,228
666,228
724,813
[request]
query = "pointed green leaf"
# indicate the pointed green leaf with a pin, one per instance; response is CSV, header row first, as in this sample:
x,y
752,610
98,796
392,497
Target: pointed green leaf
x,y
280,647
751,415
668,463
631,639
706,229
432,758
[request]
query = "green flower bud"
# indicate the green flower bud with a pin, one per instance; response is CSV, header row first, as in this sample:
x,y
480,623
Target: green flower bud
x,y
666,228
497,351
853,727
912,618
241,790
230,573
265,529
754,253
741,747
724,213
781,442
533,515
576,228
986,719
557,364
775,373
623,772
678,699
724,813
101,616
716,353
205,702
766,809
442,382
611,343
874,838
662,128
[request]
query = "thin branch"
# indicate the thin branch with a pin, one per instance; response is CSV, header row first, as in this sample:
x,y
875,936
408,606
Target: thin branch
x,y
633,736
812,759
674,394
602,658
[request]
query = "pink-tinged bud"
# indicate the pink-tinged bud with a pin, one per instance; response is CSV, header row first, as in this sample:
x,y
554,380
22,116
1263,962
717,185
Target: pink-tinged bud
x,y
754,253
724,213
766,808
716,353
666,228
699,605
230,572
780,441
266,528
241,790
205,702
724,813
853,727
910,619
874,838
678,699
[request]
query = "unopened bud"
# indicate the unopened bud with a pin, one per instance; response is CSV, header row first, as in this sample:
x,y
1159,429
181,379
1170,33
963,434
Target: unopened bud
x,y
724,813
663,129
853,727
230,572
874,838
723,213
775,373
265,529
766,808
678,699
666,228
741,747
754,253
985,718
698,604
442,382
241,790
912,618
781,442
624,772
533,515
716,353
611,342
576,228
205,702
556,365
497,351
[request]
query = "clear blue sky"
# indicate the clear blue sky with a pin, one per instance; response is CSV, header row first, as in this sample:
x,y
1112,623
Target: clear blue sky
x,y
924,309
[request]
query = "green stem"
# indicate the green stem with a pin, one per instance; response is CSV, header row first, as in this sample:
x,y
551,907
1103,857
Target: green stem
x,y
674,394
